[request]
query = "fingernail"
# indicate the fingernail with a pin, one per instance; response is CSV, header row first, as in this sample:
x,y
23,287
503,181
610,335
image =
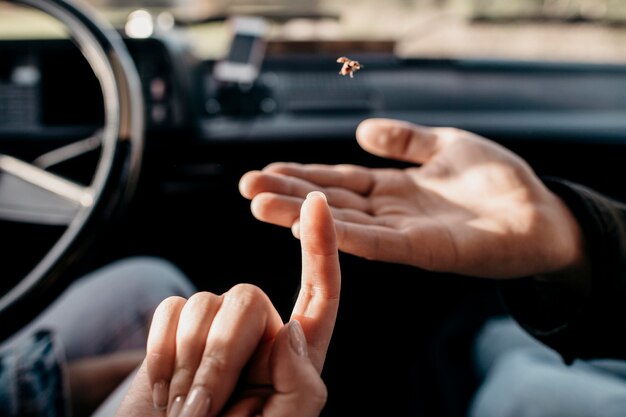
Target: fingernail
x,y
197,404
177,405
319,193
297,338
295,229
159,395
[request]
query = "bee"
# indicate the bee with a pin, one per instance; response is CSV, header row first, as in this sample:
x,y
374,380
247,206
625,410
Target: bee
x,y
349,66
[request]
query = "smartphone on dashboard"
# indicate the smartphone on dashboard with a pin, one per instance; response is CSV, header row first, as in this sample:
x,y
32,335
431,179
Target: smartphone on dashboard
x,y
243,61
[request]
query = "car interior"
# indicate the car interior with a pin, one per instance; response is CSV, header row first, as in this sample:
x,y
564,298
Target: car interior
x,y
126,126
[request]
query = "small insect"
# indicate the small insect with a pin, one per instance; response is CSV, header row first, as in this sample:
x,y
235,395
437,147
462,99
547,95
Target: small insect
x,y
349,66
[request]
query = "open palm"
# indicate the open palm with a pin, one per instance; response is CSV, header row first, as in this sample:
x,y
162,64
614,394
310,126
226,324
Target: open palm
x,y
468,205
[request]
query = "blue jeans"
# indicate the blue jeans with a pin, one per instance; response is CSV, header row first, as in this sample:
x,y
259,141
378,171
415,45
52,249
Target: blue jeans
x,y
104,312
523,378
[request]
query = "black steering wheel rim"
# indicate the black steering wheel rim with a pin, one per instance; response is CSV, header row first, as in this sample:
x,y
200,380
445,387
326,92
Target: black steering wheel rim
x,y
117,170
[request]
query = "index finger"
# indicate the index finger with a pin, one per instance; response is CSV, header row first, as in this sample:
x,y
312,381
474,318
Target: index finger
x,y
161,348
318,300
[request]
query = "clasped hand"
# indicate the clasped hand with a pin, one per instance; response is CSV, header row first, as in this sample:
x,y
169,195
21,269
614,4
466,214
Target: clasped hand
x,y
231,355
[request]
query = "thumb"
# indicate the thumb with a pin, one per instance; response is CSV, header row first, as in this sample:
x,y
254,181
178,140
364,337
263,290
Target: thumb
x,y
299,389
396,139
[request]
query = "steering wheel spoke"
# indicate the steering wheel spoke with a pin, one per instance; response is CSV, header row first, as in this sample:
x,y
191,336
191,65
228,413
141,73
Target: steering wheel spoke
x,y
32,195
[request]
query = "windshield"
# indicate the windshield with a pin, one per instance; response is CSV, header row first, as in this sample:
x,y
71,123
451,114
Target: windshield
x,y
552,30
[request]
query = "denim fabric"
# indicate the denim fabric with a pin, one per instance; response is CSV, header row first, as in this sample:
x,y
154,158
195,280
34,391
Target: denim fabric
x,y
31,378
521,377
106,311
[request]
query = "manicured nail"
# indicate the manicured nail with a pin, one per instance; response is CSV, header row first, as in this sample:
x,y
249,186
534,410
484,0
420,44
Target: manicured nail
x,y
297,338
177,405
197,404
160,391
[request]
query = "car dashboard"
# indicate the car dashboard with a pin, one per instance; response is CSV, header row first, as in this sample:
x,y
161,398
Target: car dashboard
x,y
528,99
300,107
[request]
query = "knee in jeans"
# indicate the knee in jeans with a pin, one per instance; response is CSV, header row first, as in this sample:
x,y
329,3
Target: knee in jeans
x,y
138,277
518,385
145,267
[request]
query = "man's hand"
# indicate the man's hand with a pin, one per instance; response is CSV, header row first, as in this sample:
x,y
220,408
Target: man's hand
x,y
232,355
468,206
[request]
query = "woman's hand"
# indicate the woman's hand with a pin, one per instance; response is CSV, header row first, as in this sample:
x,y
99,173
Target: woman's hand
x,y
231,354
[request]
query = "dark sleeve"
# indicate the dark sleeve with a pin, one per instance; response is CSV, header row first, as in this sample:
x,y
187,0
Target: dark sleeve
x,y
593,327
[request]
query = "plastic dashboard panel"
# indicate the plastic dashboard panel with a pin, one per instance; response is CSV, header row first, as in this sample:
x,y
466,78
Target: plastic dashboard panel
x,y
304,97
63,97
528,100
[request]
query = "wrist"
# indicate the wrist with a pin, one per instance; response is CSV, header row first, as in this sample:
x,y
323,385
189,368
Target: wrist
x,y
573,270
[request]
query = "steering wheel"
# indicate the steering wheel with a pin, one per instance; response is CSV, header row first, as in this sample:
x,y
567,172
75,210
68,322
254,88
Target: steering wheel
x,y
34,195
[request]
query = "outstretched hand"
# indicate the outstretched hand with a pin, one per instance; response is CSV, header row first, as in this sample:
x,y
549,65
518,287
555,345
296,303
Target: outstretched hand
x,y
231,355
468,206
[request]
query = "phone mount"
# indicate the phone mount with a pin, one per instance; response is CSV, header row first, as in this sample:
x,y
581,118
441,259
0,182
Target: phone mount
x,y
242,63
233,85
